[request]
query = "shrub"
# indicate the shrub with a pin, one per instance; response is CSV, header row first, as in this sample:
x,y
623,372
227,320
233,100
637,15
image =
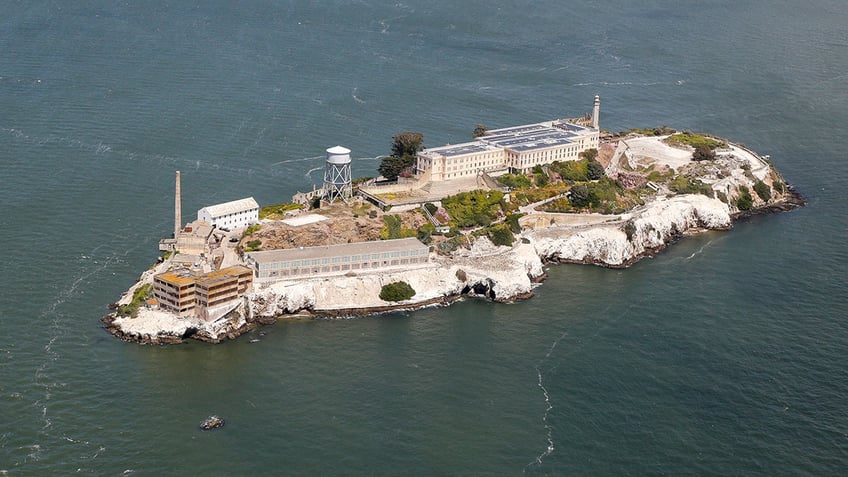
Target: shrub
x,y
425,233
396,291
703,153
694,140
629,230
572,170
690,185
605,190
478,207
252,246
594,170
763,190
501,235
277,211
139,295
779,187
542,180
515,181
579,196
744,201
512,222
588,154
558,205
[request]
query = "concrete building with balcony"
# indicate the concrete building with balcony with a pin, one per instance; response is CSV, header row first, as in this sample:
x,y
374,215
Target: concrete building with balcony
x,y
203,295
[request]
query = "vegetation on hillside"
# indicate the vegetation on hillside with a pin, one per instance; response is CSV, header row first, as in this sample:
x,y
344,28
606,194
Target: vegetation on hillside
x,y
139,296
690,185
393,228
657,131
475,208
744,201
694,140
278,211
763,190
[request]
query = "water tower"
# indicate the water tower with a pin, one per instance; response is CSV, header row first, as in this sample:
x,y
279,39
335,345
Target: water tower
x,y
337,180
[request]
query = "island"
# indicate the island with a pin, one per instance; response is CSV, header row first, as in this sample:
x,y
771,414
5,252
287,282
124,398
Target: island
x,y
477,219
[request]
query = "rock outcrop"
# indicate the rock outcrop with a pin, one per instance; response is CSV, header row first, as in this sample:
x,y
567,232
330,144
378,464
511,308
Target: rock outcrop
x,y
642,232
501,274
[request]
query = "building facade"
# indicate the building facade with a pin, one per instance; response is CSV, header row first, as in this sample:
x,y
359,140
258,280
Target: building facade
x,y
303,262
186,293
516,149
231,215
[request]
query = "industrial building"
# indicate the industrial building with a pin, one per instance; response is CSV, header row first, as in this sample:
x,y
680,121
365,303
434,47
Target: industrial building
x,y
312,261
516,149
230,215
188,293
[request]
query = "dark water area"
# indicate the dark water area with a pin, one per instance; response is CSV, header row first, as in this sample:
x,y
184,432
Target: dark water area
x,y
725,354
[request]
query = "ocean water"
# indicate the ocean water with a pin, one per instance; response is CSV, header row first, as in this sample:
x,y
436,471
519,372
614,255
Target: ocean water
x,y
724,355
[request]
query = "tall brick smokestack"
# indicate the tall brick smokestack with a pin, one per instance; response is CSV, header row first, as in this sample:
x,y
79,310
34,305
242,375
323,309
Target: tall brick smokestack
x,y
178,219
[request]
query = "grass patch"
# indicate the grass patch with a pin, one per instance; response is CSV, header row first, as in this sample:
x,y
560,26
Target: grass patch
x,y
694,140
278,211
139,296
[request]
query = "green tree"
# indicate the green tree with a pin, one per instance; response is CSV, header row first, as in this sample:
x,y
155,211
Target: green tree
x,y
763,190
594,170
501,235
744,201
589,154
396,291
480,130
579,195
703,153
405,147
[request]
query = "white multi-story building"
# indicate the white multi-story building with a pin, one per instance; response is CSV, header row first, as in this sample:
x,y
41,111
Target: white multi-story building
x,y
517,148
231,215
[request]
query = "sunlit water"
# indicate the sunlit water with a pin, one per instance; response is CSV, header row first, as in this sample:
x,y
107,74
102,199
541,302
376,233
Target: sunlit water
x,y
724,355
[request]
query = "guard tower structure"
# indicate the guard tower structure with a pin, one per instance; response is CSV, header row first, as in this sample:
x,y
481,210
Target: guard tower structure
x,y
337,179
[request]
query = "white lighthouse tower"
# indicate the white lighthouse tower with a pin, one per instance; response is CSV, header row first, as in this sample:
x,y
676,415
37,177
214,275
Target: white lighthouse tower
x,y
337,180
596,111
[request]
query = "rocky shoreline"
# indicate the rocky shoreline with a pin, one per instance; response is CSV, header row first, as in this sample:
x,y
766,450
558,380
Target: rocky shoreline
x,y
500,274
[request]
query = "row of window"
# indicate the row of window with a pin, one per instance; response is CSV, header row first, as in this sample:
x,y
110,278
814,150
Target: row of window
x,y
344,259
338,268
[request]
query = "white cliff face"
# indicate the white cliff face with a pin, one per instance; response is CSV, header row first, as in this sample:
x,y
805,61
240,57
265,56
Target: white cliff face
x,y
500,273
652,227
503,272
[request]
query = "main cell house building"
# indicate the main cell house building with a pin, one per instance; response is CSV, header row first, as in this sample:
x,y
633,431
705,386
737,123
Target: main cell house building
x,y
231,215
515,149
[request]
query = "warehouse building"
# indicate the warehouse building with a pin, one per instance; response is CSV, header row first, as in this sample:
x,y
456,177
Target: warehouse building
x,y
314,261
230,215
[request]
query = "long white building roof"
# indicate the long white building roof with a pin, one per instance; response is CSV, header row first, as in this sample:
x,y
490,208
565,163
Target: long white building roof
x,y
321,251
233,207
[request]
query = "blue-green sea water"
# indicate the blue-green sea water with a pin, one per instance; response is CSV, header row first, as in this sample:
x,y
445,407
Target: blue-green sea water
x,y
725,355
